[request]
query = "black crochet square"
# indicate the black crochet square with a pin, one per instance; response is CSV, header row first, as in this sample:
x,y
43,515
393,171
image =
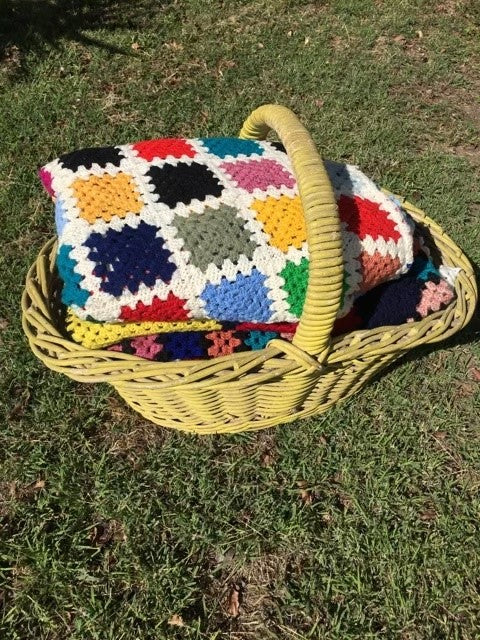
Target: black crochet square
x,y
279,146
183,183
87,157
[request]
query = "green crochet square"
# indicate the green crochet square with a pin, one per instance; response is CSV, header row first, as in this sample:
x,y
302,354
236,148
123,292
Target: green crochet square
x,y
296,280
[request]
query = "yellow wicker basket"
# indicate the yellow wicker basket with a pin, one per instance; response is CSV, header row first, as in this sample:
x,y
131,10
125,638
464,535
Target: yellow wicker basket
x,y
282,382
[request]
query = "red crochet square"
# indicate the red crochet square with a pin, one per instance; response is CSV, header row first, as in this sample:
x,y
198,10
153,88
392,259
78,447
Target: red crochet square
x,y
164,147
170,310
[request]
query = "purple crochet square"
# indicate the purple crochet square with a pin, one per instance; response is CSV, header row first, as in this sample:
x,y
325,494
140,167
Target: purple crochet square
x,y
258,174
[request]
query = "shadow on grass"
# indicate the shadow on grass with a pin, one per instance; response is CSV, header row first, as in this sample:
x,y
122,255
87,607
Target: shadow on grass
x,y
37,25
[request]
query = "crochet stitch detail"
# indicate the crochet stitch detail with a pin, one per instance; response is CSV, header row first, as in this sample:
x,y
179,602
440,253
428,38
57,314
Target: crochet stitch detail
x,y
296,280
170,310
102,197
282,218
163,148
223,147
72,292
128,258
213,209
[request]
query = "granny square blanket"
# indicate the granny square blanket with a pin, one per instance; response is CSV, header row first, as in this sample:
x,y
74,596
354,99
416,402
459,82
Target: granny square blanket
x,y
211,228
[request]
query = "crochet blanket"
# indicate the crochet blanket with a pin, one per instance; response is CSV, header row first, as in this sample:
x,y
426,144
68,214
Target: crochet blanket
x,y
178,229
412,297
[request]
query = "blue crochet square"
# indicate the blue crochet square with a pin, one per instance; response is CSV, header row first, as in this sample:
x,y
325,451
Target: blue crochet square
x,y
125,259
183,345
72,292
243,300
223,147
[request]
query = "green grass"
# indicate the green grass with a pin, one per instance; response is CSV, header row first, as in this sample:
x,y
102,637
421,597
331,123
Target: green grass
x,y
360,524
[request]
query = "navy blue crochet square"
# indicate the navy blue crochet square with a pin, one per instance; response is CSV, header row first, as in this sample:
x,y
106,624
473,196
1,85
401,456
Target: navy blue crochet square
x,y
183,345
128,258
88,157
183,183
223,147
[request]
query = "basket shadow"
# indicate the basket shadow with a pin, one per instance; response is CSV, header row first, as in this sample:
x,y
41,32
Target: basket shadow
x,y
32,26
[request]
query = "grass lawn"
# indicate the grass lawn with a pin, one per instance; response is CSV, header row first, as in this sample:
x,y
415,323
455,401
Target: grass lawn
x,y
362,523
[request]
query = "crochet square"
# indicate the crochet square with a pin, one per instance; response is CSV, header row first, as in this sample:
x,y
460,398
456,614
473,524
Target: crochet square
x,y
105,196
146,347
72,292
183,183
224,343
365,218
130,257
163,148
214,236
374,268
102,156
296,280
223,147
283,220
258,174
186,345
243,300
172,309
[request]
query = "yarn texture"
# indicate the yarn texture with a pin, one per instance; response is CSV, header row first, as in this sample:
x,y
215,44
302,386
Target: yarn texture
x,y
175,230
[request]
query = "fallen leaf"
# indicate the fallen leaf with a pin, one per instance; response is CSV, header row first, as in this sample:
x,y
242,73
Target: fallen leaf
x,y
475,373
465,390
176,621
18,409
323,441
106,532
319,102
400,39
266,459
3,323
345,501
29,490
135,46
233,603
440,435
306,495
428,515
306,41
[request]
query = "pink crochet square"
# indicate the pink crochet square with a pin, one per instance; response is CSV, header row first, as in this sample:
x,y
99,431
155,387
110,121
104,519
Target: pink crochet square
x,y
258,174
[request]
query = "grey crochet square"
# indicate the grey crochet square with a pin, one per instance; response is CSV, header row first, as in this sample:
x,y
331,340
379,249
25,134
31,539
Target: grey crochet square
x,y
214,236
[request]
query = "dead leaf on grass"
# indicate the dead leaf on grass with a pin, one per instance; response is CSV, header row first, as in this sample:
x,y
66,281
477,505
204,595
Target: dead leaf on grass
x,y
107,531
176,621
428,515
475,373
306,495
233,601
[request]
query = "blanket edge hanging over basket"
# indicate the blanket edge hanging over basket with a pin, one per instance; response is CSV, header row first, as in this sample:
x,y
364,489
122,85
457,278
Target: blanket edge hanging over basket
x,y
284,381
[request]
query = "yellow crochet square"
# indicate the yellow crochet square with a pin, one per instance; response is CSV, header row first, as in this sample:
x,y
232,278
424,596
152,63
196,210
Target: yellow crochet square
x,y
106,196
96,335
283,220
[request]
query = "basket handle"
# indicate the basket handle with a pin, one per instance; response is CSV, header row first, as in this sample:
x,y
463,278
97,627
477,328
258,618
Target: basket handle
x,y
325,276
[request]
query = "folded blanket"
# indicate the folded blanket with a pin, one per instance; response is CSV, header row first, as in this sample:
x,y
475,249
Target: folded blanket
x,y
413,296
172,230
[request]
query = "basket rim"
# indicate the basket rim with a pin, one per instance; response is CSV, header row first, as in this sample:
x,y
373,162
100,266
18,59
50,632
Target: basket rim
x,y
262,365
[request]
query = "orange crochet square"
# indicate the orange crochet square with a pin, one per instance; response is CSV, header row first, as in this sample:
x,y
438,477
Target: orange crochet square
x,y
283,220
106,196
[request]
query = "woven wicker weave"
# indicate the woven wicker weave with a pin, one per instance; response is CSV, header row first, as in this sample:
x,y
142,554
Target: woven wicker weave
x,y
283,382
